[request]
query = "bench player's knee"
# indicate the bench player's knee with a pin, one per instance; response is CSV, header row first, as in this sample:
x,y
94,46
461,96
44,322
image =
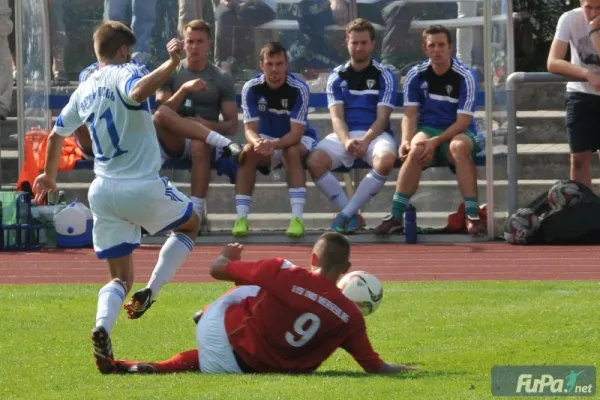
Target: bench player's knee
x,y
163,115
318,163
249,156
383,162
460,149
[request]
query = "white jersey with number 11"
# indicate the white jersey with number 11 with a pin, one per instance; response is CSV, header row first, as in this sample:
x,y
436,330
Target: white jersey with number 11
x,y
123,134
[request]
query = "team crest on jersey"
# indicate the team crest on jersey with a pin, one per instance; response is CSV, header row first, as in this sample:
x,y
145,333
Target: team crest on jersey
x,y
284,103
370,83
262,104
449,89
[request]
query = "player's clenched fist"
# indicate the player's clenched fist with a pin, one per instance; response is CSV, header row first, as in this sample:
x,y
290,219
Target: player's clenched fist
x,y
197,85
233,251
174,48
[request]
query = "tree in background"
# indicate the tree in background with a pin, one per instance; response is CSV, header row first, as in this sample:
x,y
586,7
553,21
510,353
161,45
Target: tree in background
x,y
544,17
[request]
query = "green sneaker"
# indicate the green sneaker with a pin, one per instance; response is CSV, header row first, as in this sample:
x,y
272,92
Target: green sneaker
x,y
296,228
240,228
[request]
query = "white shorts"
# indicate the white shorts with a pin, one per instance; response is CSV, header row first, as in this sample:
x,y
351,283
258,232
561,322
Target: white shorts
x,y
184,156
332,145
121,207
215,353
277,158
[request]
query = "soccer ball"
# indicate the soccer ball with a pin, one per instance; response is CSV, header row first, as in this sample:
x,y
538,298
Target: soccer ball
x,y
564,194
521,227
364,289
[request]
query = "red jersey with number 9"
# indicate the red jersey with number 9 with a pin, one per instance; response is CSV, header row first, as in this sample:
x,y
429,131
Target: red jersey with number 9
x,y
297,320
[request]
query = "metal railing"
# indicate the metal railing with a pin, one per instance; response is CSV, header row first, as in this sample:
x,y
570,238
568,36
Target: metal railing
x,y
513,81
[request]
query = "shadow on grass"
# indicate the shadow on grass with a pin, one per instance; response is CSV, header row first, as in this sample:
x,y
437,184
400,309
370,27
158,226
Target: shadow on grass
x,y
422,374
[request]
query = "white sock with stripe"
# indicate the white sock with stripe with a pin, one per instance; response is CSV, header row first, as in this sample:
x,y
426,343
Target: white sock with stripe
x,y
368,187
242,205
173,254
110,301
297,201
331,188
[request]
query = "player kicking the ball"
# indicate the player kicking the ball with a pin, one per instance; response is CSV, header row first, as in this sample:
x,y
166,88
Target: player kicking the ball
x,y
128,192
287,319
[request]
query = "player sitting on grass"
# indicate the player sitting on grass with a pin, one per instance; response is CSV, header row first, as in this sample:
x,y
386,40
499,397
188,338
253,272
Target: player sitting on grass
x,y
286,319
275,106
437,128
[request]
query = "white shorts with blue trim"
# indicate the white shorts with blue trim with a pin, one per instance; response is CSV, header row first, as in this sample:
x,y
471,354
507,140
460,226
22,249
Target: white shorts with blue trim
x,y
214,350
331,144
277,158
122,207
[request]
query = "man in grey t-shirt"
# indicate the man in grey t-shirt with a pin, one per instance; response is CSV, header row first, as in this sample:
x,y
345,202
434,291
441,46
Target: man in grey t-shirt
x,y
212,93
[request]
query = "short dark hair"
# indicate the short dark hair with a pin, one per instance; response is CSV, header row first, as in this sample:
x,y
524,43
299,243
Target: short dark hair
x,y
361,25
198,25
435,30
333,252
109,37
271,49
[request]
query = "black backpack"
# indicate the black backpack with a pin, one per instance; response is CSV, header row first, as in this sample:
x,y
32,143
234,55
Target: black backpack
x,y
576,224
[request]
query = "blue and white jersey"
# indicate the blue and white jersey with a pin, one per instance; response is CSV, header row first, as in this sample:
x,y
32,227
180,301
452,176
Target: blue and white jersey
x,y
90,69
361,92
123,135
441,97
276,109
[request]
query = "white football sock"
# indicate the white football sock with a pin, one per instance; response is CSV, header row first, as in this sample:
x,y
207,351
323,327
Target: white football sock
x,y
217,140
368,187
173,254
242,205
110,301
297,201
330,187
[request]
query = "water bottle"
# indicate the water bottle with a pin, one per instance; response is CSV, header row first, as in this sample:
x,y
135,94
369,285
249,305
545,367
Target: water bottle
x,y
188,109
24,208
410,224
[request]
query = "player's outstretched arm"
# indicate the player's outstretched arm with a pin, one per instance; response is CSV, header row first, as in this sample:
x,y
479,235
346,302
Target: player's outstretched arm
x,y
218,268
150,83
46,182
388,368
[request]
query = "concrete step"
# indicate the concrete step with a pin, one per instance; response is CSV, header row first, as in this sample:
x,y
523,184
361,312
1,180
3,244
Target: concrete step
x,y
310,237
321,121
535,161
540,127
529,97
273,198
322,221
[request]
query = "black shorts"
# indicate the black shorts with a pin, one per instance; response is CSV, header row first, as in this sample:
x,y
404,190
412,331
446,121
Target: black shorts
x,y
583,122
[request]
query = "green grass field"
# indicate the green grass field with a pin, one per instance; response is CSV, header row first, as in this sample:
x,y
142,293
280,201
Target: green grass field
x,y
455,332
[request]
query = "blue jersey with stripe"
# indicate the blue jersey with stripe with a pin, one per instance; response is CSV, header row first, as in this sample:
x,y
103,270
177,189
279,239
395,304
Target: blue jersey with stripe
x,y
361,92
276,109
441,97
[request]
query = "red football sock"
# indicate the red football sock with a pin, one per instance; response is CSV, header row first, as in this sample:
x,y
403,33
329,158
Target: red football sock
x,y
182,362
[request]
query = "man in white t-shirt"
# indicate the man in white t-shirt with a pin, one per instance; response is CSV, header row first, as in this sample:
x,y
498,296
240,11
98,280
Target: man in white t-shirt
x,y
576,28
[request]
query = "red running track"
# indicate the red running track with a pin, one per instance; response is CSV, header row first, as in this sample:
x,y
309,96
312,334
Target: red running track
x,y
487,261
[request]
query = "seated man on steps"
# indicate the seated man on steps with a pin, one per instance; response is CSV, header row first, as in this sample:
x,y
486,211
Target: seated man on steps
x,y
212,93
361,95
437,129
275,106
